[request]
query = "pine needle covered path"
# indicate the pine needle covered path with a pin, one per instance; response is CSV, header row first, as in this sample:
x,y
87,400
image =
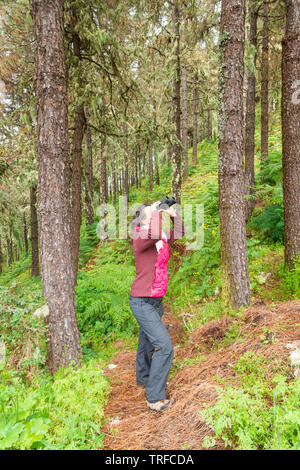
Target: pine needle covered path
x,y
130,425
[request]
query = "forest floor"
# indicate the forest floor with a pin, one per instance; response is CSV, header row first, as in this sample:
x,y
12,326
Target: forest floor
x,y
203,358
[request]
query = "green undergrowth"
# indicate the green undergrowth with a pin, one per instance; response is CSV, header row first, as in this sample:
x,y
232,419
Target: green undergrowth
x,y
259,412
61,412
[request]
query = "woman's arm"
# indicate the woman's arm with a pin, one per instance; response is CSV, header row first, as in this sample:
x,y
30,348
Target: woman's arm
x,y
146,238
178,230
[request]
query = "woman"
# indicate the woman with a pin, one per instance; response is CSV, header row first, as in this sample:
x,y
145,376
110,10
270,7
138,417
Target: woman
x,y
151,255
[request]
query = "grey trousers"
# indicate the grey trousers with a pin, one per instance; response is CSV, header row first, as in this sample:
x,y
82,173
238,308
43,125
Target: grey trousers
x,y
155,350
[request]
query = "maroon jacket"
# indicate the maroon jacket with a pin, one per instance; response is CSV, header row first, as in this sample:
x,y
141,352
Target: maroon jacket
x,y
151,260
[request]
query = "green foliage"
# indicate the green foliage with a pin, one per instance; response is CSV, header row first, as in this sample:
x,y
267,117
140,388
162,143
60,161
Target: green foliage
x,y
102,302
291,279
269,219
270,222
23,334
22,425
88,240
74,402
257,414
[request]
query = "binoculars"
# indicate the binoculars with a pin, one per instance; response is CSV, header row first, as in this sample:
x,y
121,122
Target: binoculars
x,y
166,202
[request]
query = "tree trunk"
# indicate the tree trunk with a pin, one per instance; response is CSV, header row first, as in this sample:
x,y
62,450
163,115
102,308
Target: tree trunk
x,y
234,262
265,88
156,172
250,122
126,186
176,154
9,251
195,120
88,170
209,127
291,131
34,234
76,160
1,257
136,166
25,233
76,187
52,144
184,125
103,174
114,180
150,166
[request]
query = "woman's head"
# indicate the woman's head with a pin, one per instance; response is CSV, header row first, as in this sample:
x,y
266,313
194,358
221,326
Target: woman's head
x,y
142,215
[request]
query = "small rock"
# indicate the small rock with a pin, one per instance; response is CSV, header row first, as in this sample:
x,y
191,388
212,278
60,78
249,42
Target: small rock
x,y
41,312
111,366
295,357
293,345
2,352
297,373
115,421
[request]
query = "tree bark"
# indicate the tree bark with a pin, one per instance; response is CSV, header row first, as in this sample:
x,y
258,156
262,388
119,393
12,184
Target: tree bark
x,y
25,233
76,160
52,145
150,166
184,125
209,127
114,180
291,131
234,262
88,170
195,120
1,257
126,186
249,179
35,269
265,88
176,154
9,251
156,172
103,174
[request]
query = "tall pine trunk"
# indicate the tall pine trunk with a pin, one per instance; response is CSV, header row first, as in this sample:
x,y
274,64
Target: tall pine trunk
x,y
76,159
184,125
103,173
150,166
195,119
291,131
1,256
125,182
114,179
35,270
209,125
250,121
25,233
88,170
176,154
234,262
265,87
52,145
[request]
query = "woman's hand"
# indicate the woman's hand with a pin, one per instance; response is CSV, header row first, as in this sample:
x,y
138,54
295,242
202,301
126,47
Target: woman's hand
x,y
154,206
170,211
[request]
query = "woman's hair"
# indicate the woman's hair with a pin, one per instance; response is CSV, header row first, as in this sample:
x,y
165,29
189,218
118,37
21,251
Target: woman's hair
x,y
138,216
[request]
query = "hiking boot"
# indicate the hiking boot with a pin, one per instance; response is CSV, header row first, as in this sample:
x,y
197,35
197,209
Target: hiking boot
x,y
158,406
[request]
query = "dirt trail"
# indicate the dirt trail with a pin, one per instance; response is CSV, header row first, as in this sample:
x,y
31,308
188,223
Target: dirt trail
x,y
130,425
